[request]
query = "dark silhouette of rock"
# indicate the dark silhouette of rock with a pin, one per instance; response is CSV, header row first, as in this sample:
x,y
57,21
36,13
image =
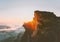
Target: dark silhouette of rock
x,y
47,28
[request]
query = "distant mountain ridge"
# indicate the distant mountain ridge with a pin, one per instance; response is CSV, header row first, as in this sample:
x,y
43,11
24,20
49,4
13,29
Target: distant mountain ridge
x,y
4,27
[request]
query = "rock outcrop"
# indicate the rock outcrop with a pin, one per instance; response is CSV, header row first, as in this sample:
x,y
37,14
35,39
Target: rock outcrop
x,y
46,28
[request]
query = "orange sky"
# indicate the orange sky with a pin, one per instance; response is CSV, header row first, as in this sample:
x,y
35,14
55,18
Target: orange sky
x,y
11,21
15,21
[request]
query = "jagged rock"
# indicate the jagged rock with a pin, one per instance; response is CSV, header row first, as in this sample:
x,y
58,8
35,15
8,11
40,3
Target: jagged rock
x,y
48,28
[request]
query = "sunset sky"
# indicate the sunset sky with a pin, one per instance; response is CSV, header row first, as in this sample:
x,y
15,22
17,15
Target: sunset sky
x,y
18,11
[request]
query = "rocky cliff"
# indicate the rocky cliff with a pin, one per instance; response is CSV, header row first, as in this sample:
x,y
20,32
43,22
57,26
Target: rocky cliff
x,y
47,28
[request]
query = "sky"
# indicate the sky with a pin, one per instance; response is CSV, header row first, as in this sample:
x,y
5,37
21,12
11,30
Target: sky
x,y
19,11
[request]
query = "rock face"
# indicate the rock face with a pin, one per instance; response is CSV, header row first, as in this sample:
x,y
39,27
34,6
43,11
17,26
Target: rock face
x,y
47,28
